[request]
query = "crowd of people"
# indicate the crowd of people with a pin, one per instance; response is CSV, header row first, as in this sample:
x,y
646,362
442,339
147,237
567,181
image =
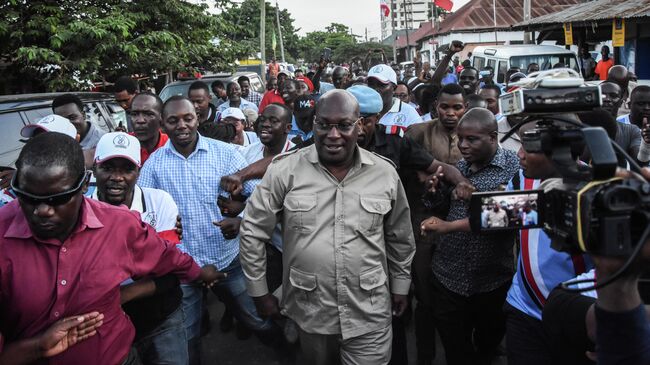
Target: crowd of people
x,y
328,211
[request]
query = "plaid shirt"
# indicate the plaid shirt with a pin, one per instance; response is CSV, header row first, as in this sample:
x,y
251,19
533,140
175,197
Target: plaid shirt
x,y
254,97
194,185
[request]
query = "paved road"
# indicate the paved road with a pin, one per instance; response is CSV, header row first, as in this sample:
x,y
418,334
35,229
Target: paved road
x,y
225,349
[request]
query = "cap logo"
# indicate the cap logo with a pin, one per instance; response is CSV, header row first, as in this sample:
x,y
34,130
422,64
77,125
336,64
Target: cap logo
x,y
47,120
399,119
121,142
378,68
306,104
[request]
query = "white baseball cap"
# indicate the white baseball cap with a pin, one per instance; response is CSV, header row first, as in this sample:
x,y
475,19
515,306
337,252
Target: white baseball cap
x,y
118,144
50,123
383,73
233,113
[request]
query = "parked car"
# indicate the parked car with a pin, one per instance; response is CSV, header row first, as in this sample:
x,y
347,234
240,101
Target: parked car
x,y
17,111
181,87
502,58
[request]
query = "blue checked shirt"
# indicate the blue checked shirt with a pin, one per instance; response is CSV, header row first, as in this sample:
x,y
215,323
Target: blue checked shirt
x,y
194,185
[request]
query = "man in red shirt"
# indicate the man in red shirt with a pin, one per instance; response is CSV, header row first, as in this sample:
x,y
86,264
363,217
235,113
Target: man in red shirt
x,y
603,66
146,115
63,255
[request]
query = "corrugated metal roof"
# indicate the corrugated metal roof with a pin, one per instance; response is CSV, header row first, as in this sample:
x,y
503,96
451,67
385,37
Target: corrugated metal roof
x,y
595,10
478,14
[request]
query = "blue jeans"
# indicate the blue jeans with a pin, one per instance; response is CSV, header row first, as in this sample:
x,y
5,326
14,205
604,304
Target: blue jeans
x,y
232,291
166,344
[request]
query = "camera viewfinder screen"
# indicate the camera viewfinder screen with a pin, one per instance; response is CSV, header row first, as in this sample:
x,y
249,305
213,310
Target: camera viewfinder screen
x,y
516,211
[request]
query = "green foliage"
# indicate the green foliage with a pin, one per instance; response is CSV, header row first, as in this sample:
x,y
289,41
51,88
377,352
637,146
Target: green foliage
x,y
62,45
348,52
336,37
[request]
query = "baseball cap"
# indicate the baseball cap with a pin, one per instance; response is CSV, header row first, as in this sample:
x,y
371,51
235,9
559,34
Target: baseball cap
x,y
304,103
234,113
288,73
118,144
369,100
50,123
383,73
307,81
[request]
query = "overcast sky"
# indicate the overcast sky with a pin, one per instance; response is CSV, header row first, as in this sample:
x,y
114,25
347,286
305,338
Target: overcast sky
x,y
311,15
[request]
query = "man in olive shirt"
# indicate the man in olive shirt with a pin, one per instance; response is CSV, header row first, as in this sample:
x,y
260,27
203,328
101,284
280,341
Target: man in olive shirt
x,y
348,240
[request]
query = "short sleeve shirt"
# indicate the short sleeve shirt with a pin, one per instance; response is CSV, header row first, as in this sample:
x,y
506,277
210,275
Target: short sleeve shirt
x,y
468,263
602,68
401,115
92,137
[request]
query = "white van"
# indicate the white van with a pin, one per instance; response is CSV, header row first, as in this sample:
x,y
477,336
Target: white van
x,y
502,58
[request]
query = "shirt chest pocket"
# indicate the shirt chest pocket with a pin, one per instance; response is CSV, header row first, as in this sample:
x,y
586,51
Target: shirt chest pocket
x,y
300,212
372,212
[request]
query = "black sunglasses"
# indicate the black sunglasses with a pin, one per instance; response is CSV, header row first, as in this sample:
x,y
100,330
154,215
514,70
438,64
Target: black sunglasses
x,y
51,200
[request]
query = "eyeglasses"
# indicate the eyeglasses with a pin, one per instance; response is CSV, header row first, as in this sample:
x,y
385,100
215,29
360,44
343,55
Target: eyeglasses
x,y
342,127
51,200
400,95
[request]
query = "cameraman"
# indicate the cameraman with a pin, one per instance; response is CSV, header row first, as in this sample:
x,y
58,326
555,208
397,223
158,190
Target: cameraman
x,y
540,269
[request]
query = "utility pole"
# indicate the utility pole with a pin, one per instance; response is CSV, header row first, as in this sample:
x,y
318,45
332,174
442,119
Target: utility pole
x,y
263,39
392,24
277,15
366,34
407,13
527,39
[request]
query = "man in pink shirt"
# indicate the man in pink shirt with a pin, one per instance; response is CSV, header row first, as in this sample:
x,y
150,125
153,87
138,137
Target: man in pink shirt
x,y
63,256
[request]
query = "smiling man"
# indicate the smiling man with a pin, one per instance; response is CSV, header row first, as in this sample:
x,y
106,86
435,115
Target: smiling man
x,y
73,253
153,304
347,241
235,100
189,167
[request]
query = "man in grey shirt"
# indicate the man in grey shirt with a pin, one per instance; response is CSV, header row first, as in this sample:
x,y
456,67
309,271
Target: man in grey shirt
x,y
71,107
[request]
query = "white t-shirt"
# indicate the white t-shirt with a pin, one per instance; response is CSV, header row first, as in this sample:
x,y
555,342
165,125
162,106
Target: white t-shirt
x,y
157,208
401,115
625,119
254,153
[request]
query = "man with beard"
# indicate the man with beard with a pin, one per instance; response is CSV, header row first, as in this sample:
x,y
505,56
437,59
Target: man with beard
x,y
199,95
235,100
153,304
190,168
346,254
146,115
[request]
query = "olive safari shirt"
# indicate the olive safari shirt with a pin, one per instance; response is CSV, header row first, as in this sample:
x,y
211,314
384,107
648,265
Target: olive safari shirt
x,y
347,244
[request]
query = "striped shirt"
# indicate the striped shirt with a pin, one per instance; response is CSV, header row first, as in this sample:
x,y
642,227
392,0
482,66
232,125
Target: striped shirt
x,y
193,182
539,267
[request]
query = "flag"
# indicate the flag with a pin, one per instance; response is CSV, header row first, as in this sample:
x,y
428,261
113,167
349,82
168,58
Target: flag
x,y
444,4
383,7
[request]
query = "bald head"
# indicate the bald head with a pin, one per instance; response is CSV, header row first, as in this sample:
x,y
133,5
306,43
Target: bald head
x,y
340,77
338,99
481,117
619,75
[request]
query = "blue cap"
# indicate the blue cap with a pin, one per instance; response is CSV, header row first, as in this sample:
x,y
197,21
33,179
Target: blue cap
x,y
369,100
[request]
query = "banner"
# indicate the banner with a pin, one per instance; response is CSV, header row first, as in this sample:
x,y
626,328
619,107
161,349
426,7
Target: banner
x,y
568,34
618,33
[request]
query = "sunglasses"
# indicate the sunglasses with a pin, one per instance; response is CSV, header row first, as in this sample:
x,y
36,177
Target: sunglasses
x,y
51,200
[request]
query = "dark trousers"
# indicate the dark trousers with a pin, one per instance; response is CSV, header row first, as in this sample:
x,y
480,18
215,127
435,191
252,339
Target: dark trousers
x,y
399,354
526,341
425,332
471,327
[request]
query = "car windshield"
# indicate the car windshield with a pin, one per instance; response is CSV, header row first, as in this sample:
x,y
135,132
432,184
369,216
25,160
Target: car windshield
x,y
545,62
172,90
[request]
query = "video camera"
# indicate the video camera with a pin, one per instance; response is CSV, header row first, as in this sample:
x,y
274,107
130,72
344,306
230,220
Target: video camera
x,y
592,210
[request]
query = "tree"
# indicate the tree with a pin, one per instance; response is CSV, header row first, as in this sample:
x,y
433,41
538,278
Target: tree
x,y
63,45
335,37
359,51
